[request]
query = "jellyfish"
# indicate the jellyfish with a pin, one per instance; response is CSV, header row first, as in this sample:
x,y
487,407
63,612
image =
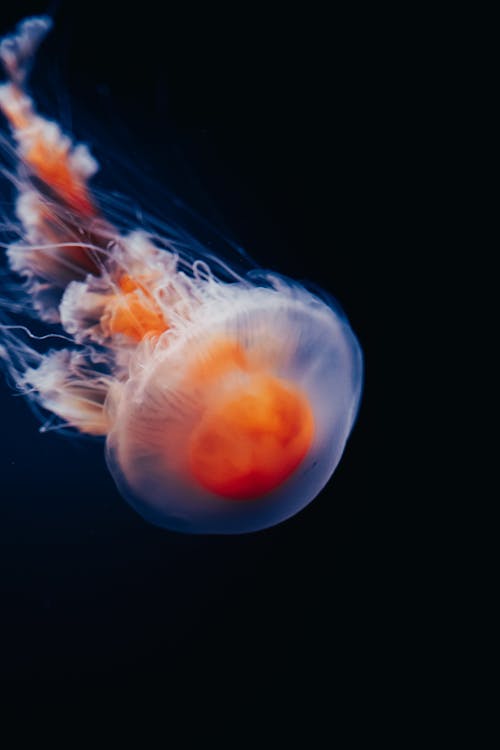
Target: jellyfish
x,y
225,400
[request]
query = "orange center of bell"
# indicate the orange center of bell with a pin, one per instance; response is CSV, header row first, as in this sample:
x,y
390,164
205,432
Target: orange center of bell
x,y
250,441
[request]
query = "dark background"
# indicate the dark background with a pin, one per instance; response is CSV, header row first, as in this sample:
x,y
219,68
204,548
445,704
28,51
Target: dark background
x,y
292,131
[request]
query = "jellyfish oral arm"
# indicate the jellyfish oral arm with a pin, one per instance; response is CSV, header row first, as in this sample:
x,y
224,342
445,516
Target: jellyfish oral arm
x,y
44,149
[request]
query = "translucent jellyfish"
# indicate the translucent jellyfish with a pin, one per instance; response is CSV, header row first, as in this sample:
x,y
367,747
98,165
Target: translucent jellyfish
x,y
225,400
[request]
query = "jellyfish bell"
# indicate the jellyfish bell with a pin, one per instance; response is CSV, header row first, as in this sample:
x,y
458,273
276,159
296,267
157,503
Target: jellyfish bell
x,y
236,421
